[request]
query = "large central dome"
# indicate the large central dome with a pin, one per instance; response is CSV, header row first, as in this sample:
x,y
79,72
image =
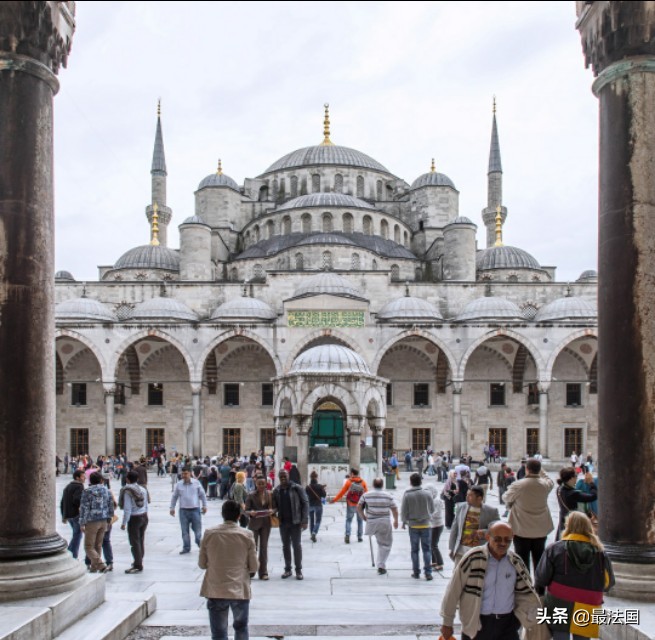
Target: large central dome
x,y
330,154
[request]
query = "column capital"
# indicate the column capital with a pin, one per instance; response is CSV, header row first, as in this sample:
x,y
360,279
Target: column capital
x,y
456,386
543,386
109,387
196,388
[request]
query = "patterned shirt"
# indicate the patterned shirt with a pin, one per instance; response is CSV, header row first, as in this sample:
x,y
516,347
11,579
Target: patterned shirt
x,y
470,532
377,504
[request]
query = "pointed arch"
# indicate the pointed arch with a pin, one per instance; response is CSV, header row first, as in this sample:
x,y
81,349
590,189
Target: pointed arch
x,y
89,344
593,375
210,373
285,401
521,361
321,336
581,333
59,375
330,391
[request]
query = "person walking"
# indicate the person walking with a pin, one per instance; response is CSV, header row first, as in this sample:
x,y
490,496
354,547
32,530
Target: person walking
x,y
229,558
96,511
436,526
70,510
501,482
568,496
292,506
483,479
448,494
416,511
239,494
375,508
353,488
316,495
133,500
259,509
193,503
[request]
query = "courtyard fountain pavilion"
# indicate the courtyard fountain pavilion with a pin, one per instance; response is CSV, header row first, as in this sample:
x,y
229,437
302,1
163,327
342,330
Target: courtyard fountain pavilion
x,y
331,310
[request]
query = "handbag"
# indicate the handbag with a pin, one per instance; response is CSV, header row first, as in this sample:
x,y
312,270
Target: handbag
x,y
275,520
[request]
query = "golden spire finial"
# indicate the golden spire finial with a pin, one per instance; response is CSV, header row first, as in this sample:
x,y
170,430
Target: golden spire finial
x,y
494,107
158,107
219,170
499,227
432,167
155,226
326,126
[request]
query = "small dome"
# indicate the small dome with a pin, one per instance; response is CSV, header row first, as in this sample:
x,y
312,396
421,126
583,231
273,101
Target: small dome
x,y
218,180
330,359
462,220
149,256
195,220
505,258
332,154
586,276
490,308
329,283
409,309
571,308
325,200
64,276
433,179
163,309
84,309
243,309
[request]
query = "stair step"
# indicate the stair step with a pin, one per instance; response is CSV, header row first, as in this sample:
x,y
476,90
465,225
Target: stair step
x,y
25,623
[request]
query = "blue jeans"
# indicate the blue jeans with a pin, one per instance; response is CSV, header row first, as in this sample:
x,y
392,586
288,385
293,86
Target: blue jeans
x,y
315,517
192,518
219,610
350,514
76,538
421,537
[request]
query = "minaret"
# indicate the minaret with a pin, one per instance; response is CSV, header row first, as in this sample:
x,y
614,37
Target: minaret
x,y
158,173
494,185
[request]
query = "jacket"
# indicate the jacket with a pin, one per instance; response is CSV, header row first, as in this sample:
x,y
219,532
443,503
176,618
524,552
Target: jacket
x,y
346,487
528,500
487,516
229,556
96,504
465,592
315,493
417,507
299,504
436,519
70,500
568,498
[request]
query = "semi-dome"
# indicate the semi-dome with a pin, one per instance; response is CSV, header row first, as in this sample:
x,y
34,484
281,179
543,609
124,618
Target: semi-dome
x,y
195,220
325,200
505,257
218,180
591,275
490,308
84,309
330,359
163,309
64,276
149,256
331,154
409,309
433,179
571,308
243,309
327,283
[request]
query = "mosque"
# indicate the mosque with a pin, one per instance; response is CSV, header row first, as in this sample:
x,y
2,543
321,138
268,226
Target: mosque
x,y
327,307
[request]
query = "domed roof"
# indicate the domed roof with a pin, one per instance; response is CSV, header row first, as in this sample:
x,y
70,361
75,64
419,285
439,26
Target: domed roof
x,y
571,308
164,309
591,275
490,308
331,154
65,276
84,309
505,257
195,220
325,200
409,309
330,359
218,180
329,283
149,256
433,179
243,308
462,220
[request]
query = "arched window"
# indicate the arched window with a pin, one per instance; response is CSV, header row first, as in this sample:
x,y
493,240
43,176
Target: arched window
x,y
396,233
327,222
418,274
374,265
378,190
258,272
294,186
270,229
389,192
536,278
276,188
338,183
355,262
306,223
406,239
327,260
384,229
512,278
300,263
367,225
286,225
316,183
256,233
248,238
360,186
263,193
348,223
234,274
395,273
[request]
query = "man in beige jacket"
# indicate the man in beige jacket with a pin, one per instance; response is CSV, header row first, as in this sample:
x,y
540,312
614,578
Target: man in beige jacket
x,y
529,516
228,554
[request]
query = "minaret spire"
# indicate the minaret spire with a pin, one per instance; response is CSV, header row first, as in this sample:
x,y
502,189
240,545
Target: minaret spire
x,y
326,127
158,175
494,185
158,156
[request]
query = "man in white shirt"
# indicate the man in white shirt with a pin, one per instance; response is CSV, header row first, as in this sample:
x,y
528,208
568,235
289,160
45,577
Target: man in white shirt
x,y
193,502
375,507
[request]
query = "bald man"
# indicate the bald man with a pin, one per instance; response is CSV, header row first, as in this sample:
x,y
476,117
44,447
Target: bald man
x,y
492,589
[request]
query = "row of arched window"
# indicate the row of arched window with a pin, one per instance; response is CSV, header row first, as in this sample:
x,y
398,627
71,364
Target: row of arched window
x,y
322,184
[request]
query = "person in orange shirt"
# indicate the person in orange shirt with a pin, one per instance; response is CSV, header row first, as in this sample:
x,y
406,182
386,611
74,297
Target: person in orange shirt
x,y
353,488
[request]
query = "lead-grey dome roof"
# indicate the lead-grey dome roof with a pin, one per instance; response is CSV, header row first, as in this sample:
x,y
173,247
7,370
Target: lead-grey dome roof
x,y
330,359
591,275
462,220
409,309
149,256
433,179
326,154
505,257
325,200
490,308
218,180
66,276
243,309
163,309
195,220
328,283
571,308
84,309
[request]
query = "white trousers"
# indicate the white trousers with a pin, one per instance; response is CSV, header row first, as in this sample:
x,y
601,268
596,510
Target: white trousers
x,y
381,529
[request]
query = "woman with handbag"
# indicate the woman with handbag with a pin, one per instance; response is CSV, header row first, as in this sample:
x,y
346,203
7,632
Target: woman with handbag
x,y
259,506
316,494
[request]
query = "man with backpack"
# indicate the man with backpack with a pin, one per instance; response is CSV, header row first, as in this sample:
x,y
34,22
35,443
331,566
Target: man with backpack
x,y
353,488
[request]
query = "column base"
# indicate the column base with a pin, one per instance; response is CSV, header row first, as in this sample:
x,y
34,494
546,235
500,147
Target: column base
x,y
22,579
634,581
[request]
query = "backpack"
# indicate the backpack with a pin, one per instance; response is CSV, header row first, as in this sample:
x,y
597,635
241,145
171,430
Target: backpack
x,y
355,492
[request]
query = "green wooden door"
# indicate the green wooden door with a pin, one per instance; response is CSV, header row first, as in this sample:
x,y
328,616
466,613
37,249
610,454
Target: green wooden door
x,y
327,428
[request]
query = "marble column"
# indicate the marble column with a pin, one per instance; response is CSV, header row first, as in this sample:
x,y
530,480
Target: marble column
x,y
618,40
33,557
196,427
380,424
355,425
457,434
281,424
109,389
543,418
303,426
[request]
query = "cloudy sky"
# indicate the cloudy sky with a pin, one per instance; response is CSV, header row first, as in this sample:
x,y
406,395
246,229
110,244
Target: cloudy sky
x,y
246,82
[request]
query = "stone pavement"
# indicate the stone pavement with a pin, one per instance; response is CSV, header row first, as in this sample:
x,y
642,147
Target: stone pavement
x,y
341,596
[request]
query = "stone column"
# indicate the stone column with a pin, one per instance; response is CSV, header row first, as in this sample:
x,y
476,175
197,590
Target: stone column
x,y
380,424
196,428
355,424
281,424
543,418
457,435
303,425
109,389
33,558
619,42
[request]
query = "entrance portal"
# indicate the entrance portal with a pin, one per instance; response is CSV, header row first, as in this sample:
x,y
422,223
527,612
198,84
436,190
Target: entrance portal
x,y
327,426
